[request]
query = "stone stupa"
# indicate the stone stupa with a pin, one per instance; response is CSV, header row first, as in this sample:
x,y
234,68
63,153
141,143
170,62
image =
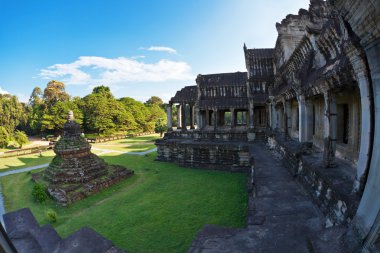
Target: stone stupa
x,y
75,172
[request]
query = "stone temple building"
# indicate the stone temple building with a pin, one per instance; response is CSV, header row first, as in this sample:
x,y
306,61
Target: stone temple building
x,y
314,101
303,122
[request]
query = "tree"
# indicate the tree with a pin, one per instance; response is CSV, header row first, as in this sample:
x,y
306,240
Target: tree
x,y
4,137
54,118
155,113
35,110
104,114
138,110
36,97
12,113
54,92
103,90
154,100
160,126
20,137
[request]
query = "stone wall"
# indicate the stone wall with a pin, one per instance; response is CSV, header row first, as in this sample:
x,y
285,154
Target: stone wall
x,y
230,156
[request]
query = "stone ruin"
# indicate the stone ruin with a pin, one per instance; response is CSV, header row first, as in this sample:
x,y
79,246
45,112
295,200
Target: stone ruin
x,y
75,172
27,236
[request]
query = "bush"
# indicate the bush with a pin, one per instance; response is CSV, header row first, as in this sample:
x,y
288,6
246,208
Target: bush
x,y
51,215
39,193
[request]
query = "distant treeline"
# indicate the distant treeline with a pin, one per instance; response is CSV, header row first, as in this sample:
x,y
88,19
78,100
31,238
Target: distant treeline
x,y
98,113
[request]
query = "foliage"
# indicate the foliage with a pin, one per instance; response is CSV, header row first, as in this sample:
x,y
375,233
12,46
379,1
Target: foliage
x,y
39,193
154,100
4,137
104,114
138,110
155,113
51,215
20,137
12,113
160,126
55,92
56,116
35,97
99,112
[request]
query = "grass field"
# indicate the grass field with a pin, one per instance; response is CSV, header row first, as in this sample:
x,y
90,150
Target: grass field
x,y
135,144
159,209
24,161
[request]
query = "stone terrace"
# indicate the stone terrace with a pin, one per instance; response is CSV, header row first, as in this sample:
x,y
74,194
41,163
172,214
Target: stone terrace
x,y
281,216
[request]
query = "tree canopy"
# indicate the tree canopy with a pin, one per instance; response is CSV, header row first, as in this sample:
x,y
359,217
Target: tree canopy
x,y
99,112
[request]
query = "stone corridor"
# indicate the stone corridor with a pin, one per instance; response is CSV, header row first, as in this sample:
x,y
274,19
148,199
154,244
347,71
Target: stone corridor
x,y
281,216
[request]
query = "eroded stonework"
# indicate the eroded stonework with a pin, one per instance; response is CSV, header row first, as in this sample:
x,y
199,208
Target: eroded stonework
x,y
75,172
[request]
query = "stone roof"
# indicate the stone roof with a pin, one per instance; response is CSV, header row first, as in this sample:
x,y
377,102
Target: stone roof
x,y
223,90
222,79
259,63
259,52
185,95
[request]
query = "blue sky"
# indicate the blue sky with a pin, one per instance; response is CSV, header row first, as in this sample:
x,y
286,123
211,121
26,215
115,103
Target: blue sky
x,y
138,48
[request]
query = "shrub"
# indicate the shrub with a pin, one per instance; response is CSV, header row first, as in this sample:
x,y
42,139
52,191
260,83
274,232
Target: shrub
x,y
20,137
39,193
51,215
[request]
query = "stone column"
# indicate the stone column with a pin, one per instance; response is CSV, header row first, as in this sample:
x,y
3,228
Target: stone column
x,y
269,108
192,116
288,112
330,130
251,116
207,119
200,122
305,121
216,118
169,112
233,120
274,116
179,117
183,121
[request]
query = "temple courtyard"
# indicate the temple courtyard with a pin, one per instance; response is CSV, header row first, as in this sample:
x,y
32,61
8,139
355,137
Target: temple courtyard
x,y
159,209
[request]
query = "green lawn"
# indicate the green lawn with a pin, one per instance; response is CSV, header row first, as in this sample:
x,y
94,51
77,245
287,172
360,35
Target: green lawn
x,y
159,209
134,144
24,161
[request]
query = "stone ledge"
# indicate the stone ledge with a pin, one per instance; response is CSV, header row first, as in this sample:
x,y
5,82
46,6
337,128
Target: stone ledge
x,y
28,237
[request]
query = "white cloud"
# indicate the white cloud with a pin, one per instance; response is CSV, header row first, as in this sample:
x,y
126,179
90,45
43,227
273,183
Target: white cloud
x,y
161,49
101,70
3,91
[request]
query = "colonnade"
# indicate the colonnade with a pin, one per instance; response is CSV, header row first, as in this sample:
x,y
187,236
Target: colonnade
x,y
181,116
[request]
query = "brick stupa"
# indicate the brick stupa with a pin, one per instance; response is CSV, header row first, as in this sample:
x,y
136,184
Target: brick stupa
x,y
75,172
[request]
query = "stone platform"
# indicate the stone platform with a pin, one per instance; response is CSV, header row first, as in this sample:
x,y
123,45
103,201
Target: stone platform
x,y
281,216
216,154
